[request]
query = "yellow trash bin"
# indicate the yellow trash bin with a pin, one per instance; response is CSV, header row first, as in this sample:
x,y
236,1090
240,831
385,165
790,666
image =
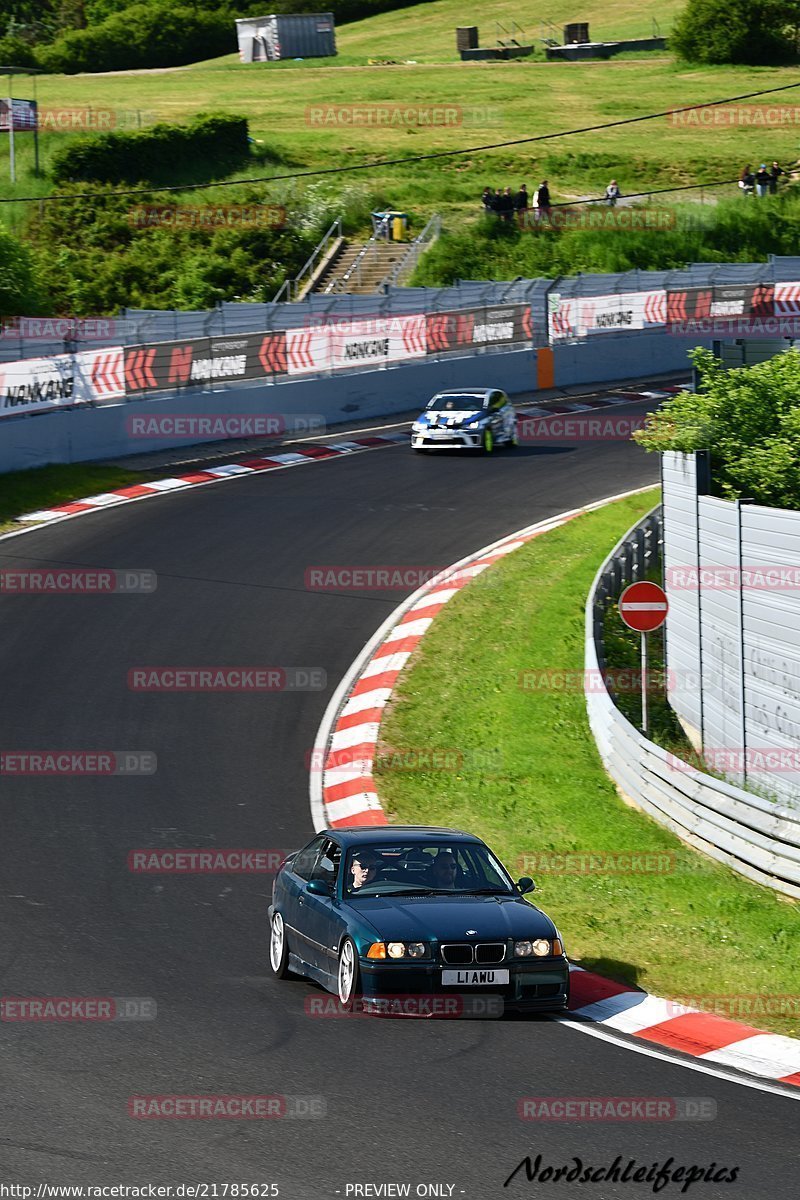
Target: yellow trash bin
x,y
399,225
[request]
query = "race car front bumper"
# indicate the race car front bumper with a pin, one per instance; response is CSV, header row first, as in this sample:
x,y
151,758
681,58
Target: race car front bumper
x,y
447,439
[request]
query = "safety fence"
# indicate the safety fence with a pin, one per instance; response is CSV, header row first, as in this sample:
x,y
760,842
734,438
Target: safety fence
x,y
150,352
756,837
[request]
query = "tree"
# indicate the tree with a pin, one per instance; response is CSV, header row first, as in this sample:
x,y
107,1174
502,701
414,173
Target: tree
x,y
748,418
755,32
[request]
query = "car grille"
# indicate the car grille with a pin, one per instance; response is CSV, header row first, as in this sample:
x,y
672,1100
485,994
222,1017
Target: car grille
x,y
459,954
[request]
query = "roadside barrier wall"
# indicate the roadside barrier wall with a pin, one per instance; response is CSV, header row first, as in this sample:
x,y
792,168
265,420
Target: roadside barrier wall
x,y
756,837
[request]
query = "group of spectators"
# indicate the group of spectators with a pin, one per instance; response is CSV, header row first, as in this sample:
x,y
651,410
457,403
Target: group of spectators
x,y
505,204
763,182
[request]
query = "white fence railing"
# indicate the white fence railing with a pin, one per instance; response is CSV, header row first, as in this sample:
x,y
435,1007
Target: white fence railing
x,y
755,837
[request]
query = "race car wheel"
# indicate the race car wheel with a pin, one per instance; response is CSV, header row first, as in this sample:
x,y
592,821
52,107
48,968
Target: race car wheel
x,y
487,442
513,440
348,972
278,948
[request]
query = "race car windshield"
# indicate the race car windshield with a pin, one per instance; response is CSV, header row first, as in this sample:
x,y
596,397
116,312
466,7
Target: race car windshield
x,y
434,868
460,403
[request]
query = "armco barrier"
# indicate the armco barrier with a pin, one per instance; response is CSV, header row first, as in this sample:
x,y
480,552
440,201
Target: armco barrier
x,y
86,433
755,837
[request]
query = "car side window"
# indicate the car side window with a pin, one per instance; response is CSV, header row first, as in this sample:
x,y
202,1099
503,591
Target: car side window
x,y
303,862
326,867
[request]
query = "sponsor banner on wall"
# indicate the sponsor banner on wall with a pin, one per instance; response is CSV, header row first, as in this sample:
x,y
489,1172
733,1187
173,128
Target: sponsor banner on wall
x,y
715,305
168,365
37,384
100,375
618,312
787,300
467,328
376,340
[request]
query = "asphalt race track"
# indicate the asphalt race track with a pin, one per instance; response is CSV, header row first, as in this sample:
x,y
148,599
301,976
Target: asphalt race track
x,y
409,1102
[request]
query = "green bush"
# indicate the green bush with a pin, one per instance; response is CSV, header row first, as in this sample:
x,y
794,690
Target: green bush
x,y
212,144
748,418
22,292
143,35
756,32
16,52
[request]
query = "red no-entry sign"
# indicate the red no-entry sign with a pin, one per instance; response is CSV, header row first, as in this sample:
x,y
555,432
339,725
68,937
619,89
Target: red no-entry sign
x,y
643,606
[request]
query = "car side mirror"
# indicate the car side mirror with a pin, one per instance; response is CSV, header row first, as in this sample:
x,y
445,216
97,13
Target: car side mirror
x,y
525,884
318,887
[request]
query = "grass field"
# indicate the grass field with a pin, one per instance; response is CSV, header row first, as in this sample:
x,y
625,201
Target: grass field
x,y
493,102
29,491
695,931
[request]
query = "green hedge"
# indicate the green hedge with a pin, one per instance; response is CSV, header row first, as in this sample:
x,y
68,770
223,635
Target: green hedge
x,y
209,145
144,35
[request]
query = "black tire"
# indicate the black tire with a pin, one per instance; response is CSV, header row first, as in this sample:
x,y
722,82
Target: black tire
x,y
278,947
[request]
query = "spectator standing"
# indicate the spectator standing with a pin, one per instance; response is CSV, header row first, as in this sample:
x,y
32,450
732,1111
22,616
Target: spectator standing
x,y
747,181
775,173
506,205
543,201
487,200
522,199
612,193
762,181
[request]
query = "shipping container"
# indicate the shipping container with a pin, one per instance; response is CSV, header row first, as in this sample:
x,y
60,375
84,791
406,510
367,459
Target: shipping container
x,y
267,39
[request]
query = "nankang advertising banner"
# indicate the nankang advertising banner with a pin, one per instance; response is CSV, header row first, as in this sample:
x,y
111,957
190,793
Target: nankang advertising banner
x,y
38,384
468,328
167,365
619,312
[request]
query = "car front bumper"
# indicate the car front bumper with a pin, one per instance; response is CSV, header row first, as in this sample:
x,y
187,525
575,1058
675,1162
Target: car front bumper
x,y
533,986
447,439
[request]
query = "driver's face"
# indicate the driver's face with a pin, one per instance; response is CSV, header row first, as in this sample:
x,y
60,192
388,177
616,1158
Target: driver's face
x,y
362,873
445,869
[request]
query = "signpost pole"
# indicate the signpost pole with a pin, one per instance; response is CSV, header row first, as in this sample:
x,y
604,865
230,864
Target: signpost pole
x,y
11,162
644,683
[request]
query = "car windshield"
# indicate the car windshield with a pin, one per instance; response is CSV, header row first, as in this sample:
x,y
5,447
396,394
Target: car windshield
x,y
460,403
425,868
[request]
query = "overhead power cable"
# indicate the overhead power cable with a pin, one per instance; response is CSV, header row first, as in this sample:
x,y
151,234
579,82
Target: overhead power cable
x,y
394,162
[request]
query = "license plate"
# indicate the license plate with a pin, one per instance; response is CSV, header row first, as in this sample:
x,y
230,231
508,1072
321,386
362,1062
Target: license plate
x,y
474,977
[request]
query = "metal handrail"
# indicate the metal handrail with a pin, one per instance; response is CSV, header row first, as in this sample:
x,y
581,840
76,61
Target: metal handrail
x,y
337,285
413,254
292,286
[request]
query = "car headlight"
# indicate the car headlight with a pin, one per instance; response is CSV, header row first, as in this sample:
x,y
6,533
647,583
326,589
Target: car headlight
x,y
539,948
397,950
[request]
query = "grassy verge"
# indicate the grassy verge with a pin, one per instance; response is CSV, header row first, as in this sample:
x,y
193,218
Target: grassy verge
x,y
44,487
696,932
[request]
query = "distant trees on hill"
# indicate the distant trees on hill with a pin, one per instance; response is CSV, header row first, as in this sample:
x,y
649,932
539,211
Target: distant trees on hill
x,y
754,32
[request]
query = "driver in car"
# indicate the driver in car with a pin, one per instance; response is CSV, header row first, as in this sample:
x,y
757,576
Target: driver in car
x,y
363,868
443,871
